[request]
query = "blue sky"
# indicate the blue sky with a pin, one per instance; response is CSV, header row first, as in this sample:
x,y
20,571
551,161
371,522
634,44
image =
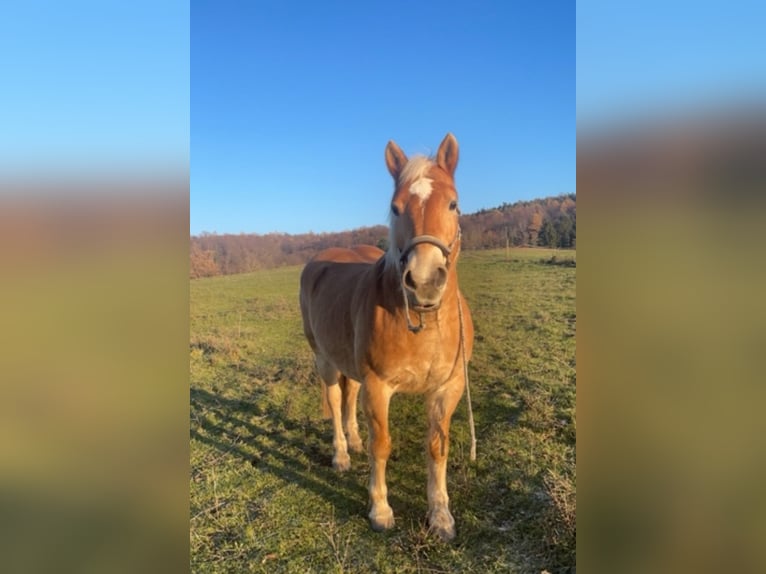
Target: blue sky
x,y
292,104
659,58
92,84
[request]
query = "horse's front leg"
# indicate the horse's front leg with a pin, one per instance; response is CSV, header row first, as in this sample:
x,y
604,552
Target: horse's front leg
x,y
376,396
440,406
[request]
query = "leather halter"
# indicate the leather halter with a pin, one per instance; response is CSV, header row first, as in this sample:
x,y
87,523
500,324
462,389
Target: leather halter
x,y
445,249
435,241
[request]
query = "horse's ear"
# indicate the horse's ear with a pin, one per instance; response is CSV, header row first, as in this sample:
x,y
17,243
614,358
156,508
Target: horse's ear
x,y
395,159
446,157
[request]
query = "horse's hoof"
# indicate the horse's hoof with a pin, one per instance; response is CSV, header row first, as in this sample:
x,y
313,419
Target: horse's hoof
x,y
382,519
341,463
441,523
356,445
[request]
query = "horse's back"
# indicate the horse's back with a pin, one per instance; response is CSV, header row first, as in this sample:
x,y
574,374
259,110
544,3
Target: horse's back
x,y
328,285
357,254
337,265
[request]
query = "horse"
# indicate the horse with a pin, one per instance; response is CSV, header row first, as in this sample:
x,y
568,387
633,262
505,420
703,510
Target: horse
x,y
395,321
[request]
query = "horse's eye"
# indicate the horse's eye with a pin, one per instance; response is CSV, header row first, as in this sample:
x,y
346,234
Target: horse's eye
x,y
394,210
453,205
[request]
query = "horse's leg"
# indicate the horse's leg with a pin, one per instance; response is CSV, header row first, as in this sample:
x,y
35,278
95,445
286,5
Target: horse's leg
x,y
350,394
440,406
331,377
376,395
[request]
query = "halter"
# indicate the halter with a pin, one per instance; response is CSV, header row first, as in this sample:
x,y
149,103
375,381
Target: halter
x,y
445,249
435,241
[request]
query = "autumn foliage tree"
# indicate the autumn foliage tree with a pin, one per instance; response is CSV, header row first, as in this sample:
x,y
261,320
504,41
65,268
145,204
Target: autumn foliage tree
x,y
202,262
533,228
549,222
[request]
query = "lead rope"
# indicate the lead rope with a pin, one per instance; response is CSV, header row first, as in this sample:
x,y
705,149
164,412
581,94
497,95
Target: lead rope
x,y
465,374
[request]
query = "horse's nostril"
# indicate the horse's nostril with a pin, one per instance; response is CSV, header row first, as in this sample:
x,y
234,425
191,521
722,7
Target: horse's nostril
x,y
408,281
440,277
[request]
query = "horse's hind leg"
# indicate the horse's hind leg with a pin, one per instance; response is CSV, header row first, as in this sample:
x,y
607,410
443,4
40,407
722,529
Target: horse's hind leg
x,y
350,389
334,395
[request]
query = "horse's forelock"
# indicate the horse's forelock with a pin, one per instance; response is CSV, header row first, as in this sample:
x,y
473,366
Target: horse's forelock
x,y
417,167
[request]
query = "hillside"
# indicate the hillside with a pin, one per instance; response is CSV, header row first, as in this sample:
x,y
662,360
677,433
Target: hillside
x,y
548,222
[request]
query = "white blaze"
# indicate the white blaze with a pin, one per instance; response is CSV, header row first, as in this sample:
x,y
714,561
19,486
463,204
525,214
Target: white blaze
x,y
421,188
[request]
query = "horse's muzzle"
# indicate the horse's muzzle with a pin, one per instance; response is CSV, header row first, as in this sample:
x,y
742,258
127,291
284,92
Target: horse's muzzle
x,y
425,290
426,308
424,276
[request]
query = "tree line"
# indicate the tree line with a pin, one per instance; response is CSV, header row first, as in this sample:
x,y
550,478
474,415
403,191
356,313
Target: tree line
x,y
548,222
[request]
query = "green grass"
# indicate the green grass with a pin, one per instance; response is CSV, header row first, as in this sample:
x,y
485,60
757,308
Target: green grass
x,y
264,497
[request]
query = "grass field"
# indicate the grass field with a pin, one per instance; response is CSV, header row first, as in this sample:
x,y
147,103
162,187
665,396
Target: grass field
x,y
264,497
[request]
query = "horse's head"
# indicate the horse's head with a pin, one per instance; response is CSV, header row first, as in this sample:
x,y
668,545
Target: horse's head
x,y
424,235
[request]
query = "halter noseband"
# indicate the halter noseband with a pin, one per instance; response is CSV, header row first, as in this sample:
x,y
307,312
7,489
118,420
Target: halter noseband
x,y
445,249
435,241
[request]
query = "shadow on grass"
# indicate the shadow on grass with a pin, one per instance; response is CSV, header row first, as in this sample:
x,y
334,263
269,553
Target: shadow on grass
x,y
278,445
497,504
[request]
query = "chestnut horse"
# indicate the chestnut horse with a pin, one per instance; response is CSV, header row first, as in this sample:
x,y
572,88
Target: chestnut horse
x,y
395,322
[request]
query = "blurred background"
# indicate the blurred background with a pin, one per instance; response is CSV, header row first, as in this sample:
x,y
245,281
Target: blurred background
x,y
94,187
671,142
